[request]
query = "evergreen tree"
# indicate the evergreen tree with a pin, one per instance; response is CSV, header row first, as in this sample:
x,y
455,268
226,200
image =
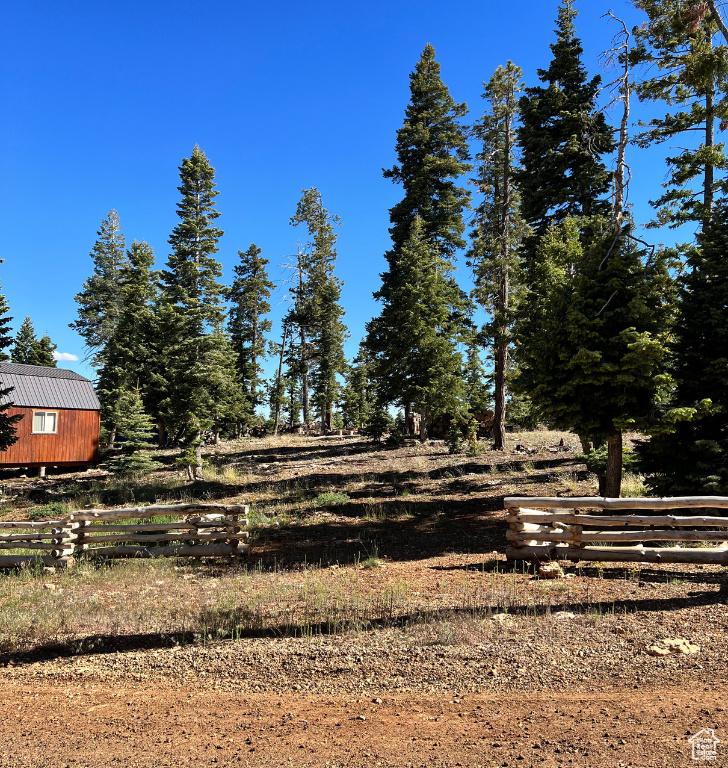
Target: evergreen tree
x,y
193,300
128,362
43,352
415,339
323,305
249,296
689,453
686,71
136,427
25,342
30,350
99,300
8,435
358,396
562,138
499,228
432,154
592,335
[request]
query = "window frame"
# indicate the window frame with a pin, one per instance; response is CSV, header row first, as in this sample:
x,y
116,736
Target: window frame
x,y
44,432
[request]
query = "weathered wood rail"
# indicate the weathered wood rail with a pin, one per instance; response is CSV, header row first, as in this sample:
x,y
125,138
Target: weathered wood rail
x,y
555,528
204,530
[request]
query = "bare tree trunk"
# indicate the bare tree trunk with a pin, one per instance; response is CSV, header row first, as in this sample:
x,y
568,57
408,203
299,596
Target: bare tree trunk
x,y
254,361
708,189
586,444
613,473
718,20
408,420
425,422
198,458
276,420
304,380
162,434
112,438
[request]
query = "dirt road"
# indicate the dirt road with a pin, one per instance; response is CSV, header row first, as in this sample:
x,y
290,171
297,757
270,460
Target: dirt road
x,y
94,726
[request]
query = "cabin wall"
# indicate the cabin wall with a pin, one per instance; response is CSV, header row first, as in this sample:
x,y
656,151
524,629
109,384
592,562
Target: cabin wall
x,y
76,440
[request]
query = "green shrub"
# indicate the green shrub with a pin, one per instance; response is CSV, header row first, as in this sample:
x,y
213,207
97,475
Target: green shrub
x,y
330,498
48,511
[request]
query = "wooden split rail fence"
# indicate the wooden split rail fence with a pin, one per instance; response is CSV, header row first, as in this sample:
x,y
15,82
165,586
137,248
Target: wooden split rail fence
x,y
569,528
202,530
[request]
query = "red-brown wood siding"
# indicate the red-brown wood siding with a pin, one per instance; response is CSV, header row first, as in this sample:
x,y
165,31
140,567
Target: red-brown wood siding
x,y
76,440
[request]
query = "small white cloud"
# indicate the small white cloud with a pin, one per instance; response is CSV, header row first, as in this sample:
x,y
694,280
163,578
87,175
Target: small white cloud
x,y
65,356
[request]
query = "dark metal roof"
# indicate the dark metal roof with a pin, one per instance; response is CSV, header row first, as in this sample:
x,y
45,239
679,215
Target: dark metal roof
x,y
35,386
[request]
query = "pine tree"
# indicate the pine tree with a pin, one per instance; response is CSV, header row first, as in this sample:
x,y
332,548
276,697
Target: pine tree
x,y
689,74
415,338
562,138
592,335
193,307
499,228
136,427
323,307
25,342
432,154
249,296
30,350
358,396
128,362
43,352
99,300
689,453
8,435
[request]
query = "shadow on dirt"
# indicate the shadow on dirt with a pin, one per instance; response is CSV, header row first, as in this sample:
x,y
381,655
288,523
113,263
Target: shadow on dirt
x,y
236,624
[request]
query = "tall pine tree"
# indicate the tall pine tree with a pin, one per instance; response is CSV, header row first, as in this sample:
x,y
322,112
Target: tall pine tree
x,y
99,300
432,154
128,361
194,299
499,228
562,138
247,325
325,312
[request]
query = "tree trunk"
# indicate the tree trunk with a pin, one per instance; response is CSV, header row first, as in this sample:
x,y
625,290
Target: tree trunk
x,y
586,444
254,362
278,382
198,458
112,438
408,420
425,422
304,380
162,434
709,141
613,473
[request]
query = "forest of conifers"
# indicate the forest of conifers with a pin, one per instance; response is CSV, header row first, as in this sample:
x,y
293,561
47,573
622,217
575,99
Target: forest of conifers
x,y
591,327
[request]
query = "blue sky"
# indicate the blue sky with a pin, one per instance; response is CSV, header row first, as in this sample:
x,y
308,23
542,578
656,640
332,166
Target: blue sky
x,y
101,102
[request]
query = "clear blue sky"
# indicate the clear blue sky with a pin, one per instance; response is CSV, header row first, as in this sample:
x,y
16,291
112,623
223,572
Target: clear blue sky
x,y
101,102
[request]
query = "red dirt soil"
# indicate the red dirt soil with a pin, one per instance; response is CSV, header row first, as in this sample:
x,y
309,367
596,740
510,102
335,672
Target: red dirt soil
x,y
94,726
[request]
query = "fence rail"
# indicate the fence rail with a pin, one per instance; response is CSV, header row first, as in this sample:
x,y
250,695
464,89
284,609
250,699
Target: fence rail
x,y
553,528
206,530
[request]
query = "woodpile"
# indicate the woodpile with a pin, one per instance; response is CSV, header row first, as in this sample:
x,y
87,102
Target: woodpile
x,y
203,530
555,529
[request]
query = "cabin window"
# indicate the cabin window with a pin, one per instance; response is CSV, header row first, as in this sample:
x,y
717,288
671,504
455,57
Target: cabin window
x,y
45,422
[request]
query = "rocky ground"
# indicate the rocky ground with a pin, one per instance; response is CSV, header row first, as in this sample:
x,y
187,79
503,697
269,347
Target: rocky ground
x,y
438,653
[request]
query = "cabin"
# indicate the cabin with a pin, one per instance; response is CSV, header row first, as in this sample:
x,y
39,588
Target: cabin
x,y
61,417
